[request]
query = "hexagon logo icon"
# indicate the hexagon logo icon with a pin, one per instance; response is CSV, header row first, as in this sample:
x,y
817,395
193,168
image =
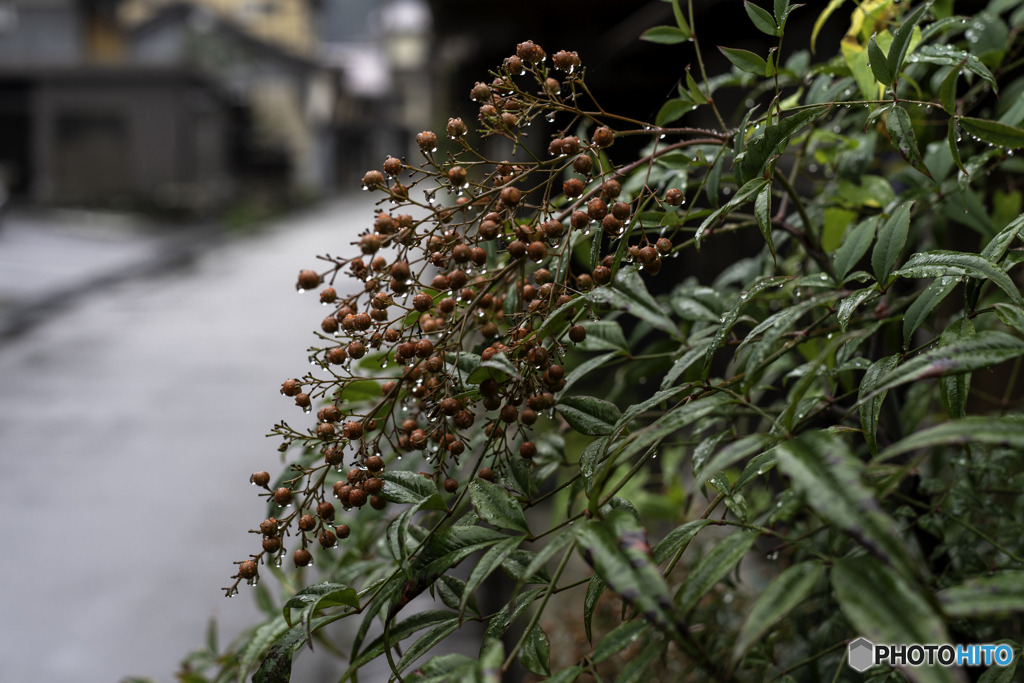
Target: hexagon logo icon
x,y
862,654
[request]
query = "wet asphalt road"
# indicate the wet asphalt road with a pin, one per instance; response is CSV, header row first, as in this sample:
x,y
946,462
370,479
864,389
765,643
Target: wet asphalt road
x,y
129,423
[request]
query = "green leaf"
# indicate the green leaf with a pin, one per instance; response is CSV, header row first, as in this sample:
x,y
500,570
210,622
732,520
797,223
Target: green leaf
x,y
319,596
269,632
496,506
832,6
854,246
695,92
983,350
849,305
762,148
566,675
635,670
891,240
672,110
406,487
730,317
901,39
503,619
788,590
824,471
749,188
618,639
713,567
451,590
985,596
678,538
879,64
761,18
426,642
730,455
498,368
993,132
538,564
870,410
901,133
947,93
627,292
1011,316
666,35
954,390
589,415
451,546
536,652
885,608
998,432
947,55
277,665
683,363
603,335
931,264
490,561
762,211
952,137
601,551
747,61
1000,674
925,303
595,588
680,19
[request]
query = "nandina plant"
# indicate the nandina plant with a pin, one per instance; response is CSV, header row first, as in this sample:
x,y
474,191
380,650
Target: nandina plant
x,y
819,442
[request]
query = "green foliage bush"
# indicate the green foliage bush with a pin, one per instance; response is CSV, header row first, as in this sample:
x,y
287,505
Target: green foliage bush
x,y
728,480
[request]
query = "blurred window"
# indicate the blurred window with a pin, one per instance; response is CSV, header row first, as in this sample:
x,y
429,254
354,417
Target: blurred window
x,y
8,18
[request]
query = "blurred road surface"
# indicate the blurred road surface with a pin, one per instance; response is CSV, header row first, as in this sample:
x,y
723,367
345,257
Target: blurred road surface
x,y
129,424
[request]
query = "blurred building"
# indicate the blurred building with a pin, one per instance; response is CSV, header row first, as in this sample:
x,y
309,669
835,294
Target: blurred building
x,y
186,104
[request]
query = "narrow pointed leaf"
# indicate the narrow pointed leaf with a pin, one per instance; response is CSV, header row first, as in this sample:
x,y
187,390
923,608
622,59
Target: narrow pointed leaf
x,y
497,506
595,588
678,538
932,264
952,137
589,415
886,608
762,210
744,60
985,596
869,411
901,132
854,246
618,639
762,19
924,304
490,561
713,567
788,590
993,132
849,305
666,35
1000,432
891,239
824,471
879,63
947,90
901,38
627,292
536,653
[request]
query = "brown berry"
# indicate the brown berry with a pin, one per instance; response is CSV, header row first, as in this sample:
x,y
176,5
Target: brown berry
x,y
271,544
325,510
620,210
450,485
528,417
337,356
307,522
517,250
353,430
375,463
357,349
327,539
392,166
577,333
342,530
509,414
357,498
422,302
582,164
611,188
674,197
247,570
427,141
486,473
529,52
537,251
480,92
260,478
373,485
302,557
602,275
291,387
457,176
308,279
528,450
456,128
325,430
604,137
373,179
511,196
283,497
596,209
579,220
268,527
573,187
